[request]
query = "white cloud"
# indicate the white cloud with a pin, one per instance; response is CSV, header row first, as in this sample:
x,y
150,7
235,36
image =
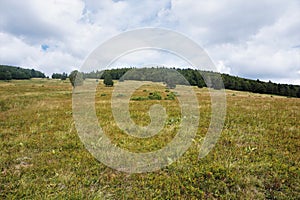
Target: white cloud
x,y
228,21
222,68
16,52
250,39
267,54
254,39
150,57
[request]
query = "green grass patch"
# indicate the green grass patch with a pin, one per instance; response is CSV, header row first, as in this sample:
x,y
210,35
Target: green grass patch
x,y
42,157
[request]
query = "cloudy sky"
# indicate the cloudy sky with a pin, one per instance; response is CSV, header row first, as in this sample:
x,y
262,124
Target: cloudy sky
x,y
257,39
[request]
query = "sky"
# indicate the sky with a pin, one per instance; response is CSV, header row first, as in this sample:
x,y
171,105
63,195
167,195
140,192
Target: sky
x,y
257,39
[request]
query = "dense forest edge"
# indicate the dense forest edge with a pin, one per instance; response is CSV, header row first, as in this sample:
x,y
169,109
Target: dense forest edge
x,y
194,78
11,72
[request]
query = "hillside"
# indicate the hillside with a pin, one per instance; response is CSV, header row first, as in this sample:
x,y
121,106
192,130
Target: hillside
x,y
42,156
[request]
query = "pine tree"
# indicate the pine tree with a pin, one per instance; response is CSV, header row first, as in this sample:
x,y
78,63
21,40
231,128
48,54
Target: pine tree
x,y
108,80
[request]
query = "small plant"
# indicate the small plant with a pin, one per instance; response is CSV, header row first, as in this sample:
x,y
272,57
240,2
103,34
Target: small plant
x,y
173,121
154,96
171,96
120,95
138,98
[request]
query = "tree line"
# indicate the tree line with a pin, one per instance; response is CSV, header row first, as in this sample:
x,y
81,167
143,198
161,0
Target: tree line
x,y
166,75
10,72
62,76
195,78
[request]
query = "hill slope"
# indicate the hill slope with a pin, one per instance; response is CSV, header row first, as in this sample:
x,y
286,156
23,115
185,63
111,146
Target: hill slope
x,y
42,157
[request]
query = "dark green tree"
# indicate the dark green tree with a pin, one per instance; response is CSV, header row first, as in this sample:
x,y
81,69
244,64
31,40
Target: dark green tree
x,y
195,77
11,72
56,76
298,93
64,76
108,80
5,75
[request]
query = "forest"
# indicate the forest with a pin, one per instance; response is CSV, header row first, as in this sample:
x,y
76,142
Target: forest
x,y
195,78
11,72
168,76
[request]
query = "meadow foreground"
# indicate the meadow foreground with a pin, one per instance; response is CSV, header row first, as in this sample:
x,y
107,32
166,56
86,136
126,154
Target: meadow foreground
x,y
42,157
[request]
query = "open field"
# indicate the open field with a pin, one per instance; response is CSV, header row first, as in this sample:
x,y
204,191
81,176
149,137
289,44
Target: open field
x,y
42,157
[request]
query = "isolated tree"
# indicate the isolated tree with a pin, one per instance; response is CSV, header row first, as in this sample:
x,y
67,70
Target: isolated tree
x,y
108,80
76,78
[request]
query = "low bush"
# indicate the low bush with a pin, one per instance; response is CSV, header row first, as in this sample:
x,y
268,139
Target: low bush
x,y
138,98
171,96
154,96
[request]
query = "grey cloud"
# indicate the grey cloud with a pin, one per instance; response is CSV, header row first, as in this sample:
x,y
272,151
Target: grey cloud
x,y
227,21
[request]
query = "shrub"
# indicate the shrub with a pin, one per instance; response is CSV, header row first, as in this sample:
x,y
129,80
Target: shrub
x,y
170,96
154,96
120,95
108,80
138,98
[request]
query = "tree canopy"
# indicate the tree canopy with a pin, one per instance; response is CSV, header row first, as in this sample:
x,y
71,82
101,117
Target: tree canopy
x,y
11,72
166,75
62,76
108,80
195,78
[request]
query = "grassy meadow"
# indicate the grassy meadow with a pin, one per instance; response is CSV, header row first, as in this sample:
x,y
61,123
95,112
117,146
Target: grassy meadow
x,y
42,157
